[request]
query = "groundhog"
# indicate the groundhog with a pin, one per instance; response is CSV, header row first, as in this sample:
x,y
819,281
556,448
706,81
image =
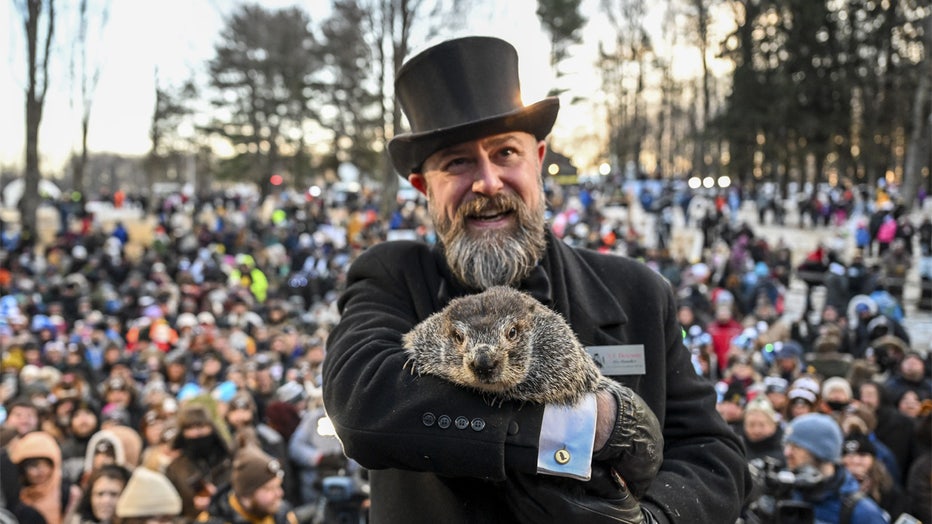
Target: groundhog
x,y
504,343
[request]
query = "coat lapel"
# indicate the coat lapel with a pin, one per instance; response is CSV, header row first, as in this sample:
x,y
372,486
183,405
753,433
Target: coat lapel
x,y
580,295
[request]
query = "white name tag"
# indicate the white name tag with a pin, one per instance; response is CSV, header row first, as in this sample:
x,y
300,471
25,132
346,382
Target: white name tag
x,y
626,359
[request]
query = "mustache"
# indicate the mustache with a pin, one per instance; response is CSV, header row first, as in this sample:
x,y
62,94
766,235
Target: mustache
x,y
483,204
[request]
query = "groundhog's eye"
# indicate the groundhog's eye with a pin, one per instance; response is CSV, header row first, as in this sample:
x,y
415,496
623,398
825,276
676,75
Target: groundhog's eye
x,y
458,336
512,333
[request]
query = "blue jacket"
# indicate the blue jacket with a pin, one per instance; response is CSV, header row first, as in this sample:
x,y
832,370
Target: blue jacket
x,y
827,501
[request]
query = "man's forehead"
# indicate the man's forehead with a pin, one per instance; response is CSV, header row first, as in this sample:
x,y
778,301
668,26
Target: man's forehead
x,y
485,141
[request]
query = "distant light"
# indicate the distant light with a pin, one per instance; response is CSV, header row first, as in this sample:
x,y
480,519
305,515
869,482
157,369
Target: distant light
x,y
724,181
695,182
553,169
605,169
314,191
325,427
708,182
276,180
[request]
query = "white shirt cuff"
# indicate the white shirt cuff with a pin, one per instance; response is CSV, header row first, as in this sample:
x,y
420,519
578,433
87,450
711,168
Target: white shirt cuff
x,y
567,435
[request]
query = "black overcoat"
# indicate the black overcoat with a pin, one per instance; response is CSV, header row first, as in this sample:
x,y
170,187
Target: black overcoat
x,y
428,471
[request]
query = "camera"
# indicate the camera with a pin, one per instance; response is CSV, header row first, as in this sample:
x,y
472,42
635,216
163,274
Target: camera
x,y
772,501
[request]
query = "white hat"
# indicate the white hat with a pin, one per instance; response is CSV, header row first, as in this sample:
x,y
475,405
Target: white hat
x,y
186,320
148,494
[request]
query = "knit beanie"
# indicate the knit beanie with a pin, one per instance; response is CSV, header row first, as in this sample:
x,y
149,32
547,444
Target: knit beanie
x,y
252,468
818,434
836,383
148,494
860,444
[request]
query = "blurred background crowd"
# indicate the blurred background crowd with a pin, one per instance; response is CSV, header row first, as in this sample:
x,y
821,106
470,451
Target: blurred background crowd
x,y
191,347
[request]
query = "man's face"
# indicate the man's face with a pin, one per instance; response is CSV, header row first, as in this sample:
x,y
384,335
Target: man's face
x,y
486,201
23,419
267,499
797,457
912,368
83,423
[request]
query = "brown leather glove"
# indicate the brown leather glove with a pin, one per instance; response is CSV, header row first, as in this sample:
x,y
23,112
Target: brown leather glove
x,y
635,448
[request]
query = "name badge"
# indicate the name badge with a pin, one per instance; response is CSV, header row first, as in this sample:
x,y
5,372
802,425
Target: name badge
x,y
626,359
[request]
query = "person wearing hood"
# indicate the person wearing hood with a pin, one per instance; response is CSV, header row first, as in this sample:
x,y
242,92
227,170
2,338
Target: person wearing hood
x,y
38,460
205,462
118,445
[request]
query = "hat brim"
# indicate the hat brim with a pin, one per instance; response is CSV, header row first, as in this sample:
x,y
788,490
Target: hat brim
x,y
408,151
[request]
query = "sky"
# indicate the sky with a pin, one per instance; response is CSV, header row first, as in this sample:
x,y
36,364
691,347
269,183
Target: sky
x,y
176,37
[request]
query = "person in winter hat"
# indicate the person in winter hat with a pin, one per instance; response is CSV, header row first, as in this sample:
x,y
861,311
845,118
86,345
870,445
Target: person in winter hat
x,y
255,493
812,447
241,413
148,495
204,464
38,459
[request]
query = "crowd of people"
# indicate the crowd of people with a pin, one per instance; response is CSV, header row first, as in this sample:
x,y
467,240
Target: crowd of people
x,y
188,367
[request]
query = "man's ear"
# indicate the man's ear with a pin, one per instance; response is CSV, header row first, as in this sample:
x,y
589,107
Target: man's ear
x,y
541,152
419,182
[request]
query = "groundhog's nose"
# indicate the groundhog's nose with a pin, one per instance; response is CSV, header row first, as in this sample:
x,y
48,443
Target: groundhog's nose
x,y
483,365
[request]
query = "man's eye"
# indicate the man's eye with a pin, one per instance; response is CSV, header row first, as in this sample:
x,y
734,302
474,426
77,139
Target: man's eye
x,y
456,165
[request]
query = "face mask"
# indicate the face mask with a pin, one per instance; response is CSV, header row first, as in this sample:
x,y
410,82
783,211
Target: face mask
x,y
200,446
836,405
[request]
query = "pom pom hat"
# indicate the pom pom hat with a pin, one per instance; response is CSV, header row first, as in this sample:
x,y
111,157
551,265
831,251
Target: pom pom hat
x,y
252,468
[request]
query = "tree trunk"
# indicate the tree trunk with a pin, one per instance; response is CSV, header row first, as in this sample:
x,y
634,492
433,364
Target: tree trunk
x,y
918,151
35,100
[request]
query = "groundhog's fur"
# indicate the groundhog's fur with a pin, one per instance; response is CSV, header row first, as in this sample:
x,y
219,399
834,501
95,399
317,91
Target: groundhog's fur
x,y
505,343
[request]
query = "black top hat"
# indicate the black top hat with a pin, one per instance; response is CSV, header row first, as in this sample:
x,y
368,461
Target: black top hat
x,y
460,90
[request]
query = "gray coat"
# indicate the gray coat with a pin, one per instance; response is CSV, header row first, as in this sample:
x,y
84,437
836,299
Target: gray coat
x,y
426,473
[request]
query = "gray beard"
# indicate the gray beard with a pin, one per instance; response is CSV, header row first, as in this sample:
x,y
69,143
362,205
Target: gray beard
x,y
484,259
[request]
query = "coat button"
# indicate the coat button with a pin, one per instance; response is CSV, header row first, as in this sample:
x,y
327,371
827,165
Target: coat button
x,y
428,419
461,422
513,428
443,421
478,424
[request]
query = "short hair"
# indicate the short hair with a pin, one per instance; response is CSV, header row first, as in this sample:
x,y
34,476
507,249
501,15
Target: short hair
x,y
21,402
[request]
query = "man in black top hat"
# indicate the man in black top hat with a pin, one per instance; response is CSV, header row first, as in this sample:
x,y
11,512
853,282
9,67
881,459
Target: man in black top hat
x,y
440,453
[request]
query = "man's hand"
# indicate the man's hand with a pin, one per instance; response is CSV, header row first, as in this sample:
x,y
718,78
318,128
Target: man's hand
x,y
536,499
633,447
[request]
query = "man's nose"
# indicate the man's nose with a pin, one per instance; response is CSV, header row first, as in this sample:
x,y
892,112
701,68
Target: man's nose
x,y
488,180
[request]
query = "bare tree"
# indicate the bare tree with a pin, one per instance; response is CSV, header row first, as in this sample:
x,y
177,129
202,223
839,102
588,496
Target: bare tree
x,y
391,24
920,140
36,88
89,76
